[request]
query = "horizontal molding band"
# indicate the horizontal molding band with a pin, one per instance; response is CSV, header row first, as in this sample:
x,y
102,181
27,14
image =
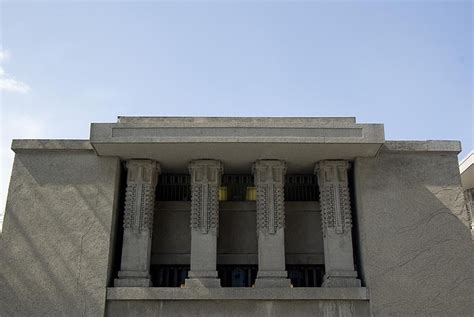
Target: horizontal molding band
x,y
237,293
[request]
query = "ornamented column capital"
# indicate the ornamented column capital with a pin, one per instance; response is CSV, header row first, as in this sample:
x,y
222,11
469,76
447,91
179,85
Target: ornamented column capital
x,y
334,196
332,172
269,177
205,183
142,177
142,171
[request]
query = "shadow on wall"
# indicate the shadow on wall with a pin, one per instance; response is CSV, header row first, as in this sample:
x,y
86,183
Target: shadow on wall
x,y
416,246
55,244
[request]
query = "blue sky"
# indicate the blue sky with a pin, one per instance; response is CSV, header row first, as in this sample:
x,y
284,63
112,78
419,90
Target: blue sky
x,y
405,64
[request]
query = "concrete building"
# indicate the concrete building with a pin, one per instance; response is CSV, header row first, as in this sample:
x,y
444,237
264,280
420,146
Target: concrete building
x,y
466,168
158,216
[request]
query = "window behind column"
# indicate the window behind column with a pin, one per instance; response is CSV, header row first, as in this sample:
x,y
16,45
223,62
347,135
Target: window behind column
x,y
171,234
303,234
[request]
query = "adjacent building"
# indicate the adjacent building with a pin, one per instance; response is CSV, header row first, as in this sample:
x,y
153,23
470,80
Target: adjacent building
x,y
466,167
200,216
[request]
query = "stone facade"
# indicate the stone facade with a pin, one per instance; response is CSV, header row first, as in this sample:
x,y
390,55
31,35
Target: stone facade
x,y
87,228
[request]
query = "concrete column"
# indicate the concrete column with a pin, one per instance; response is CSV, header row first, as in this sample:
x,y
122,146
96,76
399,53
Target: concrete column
x,y
205,182
142,178
269,180
337,224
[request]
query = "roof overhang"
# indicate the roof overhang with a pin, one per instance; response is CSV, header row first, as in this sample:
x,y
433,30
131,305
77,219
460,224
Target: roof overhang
x,y
466,167
237,142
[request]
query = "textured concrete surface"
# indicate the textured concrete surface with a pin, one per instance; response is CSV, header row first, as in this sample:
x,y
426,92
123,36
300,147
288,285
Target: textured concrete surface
x,y
340,302
415,247
237,142
237,293
237,240
241,308
47,144
171,233
56,244
422,146
237,121
185,129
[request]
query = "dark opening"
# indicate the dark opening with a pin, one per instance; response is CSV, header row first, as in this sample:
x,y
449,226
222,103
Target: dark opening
x,y
174,187
117,252
168,275
355,225
237,275
301,188
306,275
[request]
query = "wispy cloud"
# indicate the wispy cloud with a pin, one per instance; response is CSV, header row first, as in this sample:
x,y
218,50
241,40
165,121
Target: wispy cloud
x,y
7,82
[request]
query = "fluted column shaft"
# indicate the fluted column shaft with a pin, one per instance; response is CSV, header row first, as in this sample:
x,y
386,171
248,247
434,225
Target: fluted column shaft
x,y
142,178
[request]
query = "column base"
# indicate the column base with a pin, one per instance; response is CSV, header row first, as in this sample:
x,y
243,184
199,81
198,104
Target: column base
x,y
206,279
341,279
272,279
133,279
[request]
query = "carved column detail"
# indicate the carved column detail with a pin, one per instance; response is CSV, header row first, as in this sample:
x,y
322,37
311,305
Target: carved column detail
x,y
336,223
269,177
335,197
205,182
270,207
205,202
140,195
142,178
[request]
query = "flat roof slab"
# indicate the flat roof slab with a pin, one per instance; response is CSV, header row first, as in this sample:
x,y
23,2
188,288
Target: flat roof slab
x,y
237,142
235,130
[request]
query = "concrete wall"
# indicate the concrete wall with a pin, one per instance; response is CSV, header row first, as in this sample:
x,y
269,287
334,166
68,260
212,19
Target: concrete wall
x,y
56,244
303,233
237,240
312,301
415,247
241,308
171,233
